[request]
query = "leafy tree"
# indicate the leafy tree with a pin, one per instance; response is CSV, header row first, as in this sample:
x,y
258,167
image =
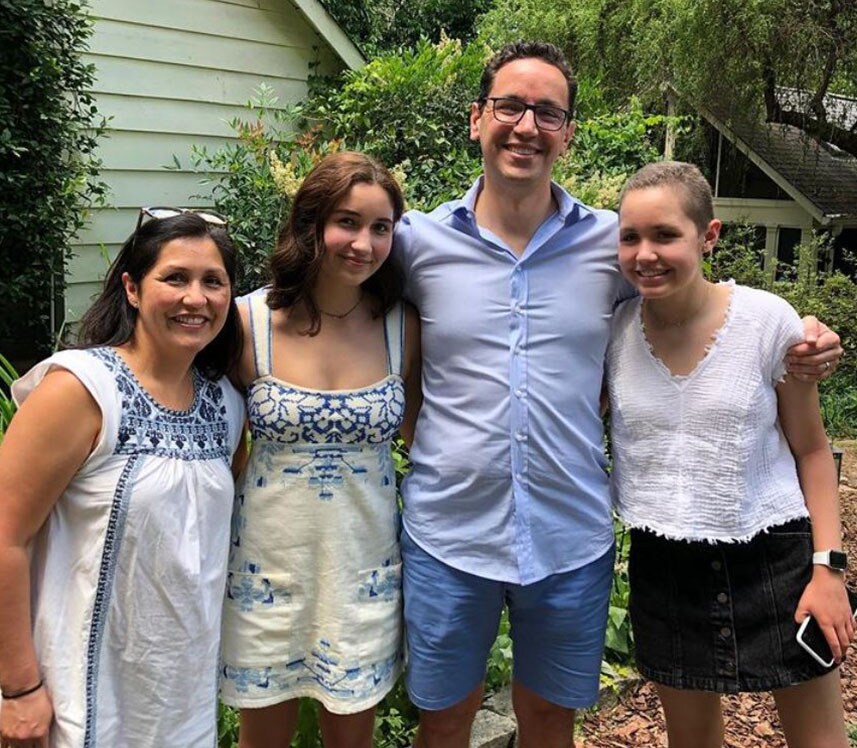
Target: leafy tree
x,y
410,109
383,25
732,55
48,130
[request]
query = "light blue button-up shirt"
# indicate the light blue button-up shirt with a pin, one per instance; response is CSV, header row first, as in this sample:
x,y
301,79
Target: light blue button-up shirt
x,y
508,478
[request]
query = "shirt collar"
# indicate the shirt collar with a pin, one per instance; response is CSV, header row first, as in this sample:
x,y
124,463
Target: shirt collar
x,y
571,210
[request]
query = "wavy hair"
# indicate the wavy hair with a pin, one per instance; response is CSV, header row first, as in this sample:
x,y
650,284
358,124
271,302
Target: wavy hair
x,y
296,261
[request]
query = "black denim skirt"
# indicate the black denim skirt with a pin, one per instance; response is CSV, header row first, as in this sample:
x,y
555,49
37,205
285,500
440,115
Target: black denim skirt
x,y
720,616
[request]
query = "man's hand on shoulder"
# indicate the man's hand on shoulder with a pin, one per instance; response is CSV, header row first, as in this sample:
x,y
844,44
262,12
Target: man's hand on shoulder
x,y
818,355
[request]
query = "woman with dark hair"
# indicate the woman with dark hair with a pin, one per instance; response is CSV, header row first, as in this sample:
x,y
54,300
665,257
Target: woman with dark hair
x,y
115,496
331,358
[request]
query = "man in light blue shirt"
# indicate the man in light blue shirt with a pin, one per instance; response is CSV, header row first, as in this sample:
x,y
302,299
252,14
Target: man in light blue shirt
x,y
508,502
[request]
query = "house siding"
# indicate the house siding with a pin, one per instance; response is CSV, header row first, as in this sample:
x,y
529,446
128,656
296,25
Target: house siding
x,y
170,74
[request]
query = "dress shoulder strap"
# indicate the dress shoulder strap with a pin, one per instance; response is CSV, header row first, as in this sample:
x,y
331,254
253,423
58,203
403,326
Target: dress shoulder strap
x,y
394,337
259,314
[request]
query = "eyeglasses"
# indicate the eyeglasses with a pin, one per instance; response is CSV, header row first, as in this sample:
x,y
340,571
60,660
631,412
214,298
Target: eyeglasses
x,y
158,214
512,111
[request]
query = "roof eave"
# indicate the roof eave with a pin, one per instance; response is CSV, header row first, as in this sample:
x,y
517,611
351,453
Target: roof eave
x,y
784,184
329,30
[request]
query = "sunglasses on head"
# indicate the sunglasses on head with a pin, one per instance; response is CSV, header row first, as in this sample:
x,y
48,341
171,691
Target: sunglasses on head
x,y
159,213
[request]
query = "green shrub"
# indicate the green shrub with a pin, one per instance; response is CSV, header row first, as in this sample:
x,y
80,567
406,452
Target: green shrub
x,y
48,176
410,108
7,404
254,178
607,148
379,25
832,297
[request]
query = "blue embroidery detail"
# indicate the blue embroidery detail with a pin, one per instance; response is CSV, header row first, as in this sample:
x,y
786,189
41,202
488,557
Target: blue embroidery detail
x,y
289,415
104,586
200,433
249,590
383,584
323,668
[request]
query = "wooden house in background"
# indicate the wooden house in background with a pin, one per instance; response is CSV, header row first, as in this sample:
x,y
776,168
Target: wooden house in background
x,y
170,74
784,182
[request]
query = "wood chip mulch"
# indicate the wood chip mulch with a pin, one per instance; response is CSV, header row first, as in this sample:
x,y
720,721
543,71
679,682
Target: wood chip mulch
x,y
634,718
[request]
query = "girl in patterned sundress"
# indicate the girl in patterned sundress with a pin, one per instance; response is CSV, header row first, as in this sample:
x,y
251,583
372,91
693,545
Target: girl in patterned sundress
x,y
331,357
115,498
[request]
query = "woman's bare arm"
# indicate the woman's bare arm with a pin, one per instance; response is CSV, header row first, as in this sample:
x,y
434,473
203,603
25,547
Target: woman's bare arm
x,y
46,443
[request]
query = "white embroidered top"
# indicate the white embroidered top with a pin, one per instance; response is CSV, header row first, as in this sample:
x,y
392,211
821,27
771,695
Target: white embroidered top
x,y
702,456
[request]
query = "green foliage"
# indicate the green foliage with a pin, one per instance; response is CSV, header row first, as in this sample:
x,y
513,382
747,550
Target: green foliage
x,y
396,719
254,178
831,297
618,642
242,184
736,257
410,109
634,47
618,142
227,727
7,404
385,25
499,672
608,148
723,54
48,176
510,20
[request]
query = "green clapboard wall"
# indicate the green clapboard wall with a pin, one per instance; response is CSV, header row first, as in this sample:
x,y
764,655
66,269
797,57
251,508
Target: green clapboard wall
x,y
170,74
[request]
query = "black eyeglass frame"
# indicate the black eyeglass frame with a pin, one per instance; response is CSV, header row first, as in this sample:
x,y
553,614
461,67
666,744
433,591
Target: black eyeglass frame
x,y
534,108
209,216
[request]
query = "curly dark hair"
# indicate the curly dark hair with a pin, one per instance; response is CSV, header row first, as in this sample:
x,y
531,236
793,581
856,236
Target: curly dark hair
x,y
111,319
297,259
522,50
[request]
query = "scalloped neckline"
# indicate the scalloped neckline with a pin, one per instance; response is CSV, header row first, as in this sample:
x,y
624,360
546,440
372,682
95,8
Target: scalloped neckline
x,y
710,348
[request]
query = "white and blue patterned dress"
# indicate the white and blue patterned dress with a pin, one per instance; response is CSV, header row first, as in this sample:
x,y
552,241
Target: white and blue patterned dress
x,y
313,603
129,569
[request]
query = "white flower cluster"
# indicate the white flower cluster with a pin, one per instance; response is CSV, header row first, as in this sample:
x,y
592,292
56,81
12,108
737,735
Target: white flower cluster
x,y
284,175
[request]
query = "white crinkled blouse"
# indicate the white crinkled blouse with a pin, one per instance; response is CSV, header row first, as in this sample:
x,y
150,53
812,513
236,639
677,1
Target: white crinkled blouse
x,y
702,456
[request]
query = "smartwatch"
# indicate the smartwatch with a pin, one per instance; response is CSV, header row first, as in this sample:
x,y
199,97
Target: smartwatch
x,y
836,560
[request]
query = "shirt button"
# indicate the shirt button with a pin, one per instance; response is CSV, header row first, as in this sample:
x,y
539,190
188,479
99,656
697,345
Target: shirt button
x,y
716,565
519,393
519,476
729,666
520,436
725,632
722,597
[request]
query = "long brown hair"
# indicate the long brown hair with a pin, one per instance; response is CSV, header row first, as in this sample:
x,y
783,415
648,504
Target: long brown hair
x,y
297,259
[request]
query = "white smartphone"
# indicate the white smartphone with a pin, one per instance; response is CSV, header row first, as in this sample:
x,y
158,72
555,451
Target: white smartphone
x,y
811,638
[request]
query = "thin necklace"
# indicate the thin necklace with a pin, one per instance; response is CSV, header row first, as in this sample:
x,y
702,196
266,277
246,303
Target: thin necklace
x,y
660,322
343,315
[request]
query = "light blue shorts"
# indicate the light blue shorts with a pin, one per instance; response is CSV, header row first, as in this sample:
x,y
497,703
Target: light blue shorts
x,y
451,620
